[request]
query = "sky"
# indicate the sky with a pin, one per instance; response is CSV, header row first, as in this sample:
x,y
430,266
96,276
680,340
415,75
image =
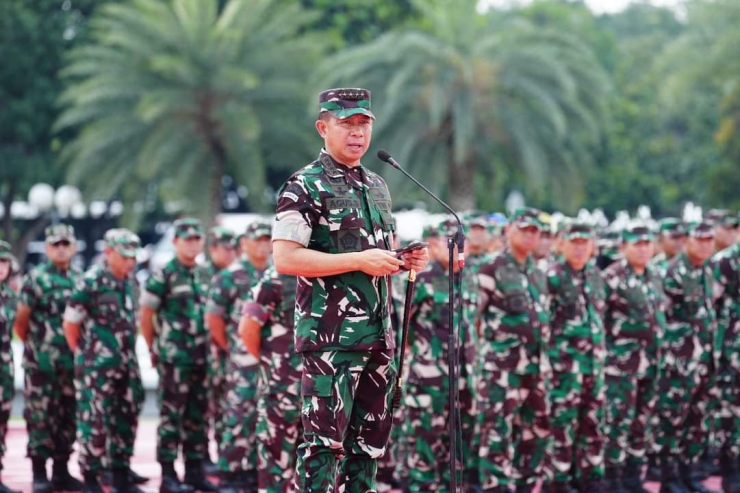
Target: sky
x,y
598,6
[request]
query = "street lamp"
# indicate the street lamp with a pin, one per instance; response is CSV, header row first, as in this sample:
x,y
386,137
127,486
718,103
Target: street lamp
x,y
66,198
41,197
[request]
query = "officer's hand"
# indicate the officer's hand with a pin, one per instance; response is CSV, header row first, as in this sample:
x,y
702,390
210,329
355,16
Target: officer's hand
x,y
416,259
377,262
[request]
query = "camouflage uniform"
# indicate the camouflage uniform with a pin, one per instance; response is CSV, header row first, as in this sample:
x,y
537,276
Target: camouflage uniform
x,y
577,354
513,396
343,325
177,293
230,288
49,391
107,367
279,430
634,321
688,360
8,300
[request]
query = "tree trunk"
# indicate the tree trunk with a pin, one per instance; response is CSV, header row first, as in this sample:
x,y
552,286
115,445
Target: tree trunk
x,y
461,183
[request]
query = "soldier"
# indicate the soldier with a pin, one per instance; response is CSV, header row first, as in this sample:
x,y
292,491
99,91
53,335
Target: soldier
x,y
608,248
477,242
688,362
221,246
426,401
230,288
577,354
8,300
175,295
513,401
725,228
496,240
48,363
671,241
634,321
266,329
333,230
543,253
105,303
726,269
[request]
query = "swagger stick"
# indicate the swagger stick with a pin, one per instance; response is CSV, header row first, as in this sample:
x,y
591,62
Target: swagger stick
x,y
410,286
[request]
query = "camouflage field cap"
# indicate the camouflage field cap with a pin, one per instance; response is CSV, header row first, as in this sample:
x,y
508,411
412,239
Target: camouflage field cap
x,y
123,241
670,226
637,232
59,232
578,229
447,227
188,228
258,229
345,102
701,229
5,250
545,223
219,235
477,219
722,217
525,217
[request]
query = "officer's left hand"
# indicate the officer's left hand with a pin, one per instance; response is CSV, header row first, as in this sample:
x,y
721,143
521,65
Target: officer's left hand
x,y
416,259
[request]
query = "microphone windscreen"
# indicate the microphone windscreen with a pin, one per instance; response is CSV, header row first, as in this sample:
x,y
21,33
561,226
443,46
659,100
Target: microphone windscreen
x,y
384,155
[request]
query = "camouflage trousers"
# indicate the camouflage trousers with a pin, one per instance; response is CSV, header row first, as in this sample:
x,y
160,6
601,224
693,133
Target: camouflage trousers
x,y
728,430
239,448
514,428
683,411
183,404
392,466
49,411
630,402
109,401
279,432
6,401
576,420
346,415
217,394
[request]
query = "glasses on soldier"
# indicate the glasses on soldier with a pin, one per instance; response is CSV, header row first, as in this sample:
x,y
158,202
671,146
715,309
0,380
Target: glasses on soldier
x,y
63,243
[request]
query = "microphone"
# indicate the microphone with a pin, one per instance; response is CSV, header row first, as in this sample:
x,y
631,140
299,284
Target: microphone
x,y
384,155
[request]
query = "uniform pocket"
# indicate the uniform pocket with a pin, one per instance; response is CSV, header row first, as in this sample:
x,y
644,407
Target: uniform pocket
x,y
319,413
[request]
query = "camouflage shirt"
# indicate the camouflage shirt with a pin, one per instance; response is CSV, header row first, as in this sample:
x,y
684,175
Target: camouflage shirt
x,y
691,326
45,290
332,208
726,266
8,302
107,309
178,295
577,301
229,289
272,305
514,316
659,264
634,320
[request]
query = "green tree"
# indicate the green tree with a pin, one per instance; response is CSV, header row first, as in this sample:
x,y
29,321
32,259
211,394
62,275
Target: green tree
x,y
472,98
181,93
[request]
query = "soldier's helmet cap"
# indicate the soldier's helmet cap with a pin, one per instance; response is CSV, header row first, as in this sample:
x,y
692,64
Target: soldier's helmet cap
x,y
123,241
258,229
578,229
5,251
345,102
671,226
219,235
722,217
525,217
701,229
447,227
636,232
188,227
59,232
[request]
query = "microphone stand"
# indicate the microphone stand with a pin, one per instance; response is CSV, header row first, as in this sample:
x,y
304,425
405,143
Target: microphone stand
x,y
452,351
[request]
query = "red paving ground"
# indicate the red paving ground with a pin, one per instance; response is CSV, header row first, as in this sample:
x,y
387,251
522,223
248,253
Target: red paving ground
x,y
17,470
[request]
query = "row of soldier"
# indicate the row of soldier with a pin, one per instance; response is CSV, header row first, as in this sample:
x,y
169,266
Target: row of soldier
x,y
556,346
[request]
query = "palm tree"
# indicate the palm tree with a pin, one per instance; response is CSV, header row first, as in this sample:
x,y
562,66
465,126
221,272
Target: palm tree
x,y
473,95
180,93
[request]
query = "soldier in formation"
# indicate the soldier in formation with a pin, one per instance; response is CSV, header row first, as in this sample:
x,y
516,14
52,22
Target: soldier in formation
x,y
8,301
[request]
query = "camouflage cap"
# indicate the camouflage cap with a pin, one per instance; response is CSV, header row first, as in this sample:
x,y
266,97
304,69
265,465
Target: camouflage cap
x,y
671,226
123,241
545,222
5,250
637,232
258,229
345,102
477,219
447,227
59,232
701,229
188,228
721,217
524,217
219,235
577,229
